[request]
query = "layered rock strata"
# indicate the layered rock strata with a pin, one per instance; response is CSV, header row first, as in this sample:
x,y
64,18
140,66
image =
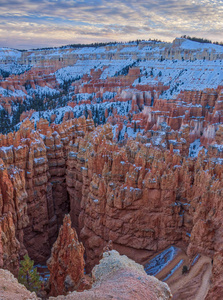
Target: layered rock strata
x,y
139,195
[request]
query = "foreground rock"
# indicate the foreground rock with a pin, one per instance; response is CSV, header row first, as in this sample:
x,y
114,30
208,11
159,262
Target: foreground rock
x,y
66,264
11,289
118,277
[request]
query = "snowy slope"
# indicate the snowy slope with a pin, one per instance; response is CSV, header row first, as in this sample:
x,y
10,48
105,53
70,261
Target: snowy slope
x,y
181,75
10,53
191,45
79,110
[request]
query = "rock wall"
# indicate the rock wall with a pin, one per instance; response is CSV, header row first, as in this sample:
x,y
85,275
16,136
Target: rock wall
x,y
141,198
13,216
139,195
33,184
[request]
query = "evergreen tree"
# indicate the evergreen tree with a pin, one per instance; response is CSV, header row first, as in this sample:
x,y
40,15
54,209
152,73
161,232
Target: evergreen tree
x,y
103,119
5,123
135,127
28,275
85,112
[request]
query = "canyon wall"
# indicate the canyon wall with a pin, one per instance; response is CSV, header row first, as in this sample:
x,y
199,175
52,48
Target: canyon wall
x,y
138,195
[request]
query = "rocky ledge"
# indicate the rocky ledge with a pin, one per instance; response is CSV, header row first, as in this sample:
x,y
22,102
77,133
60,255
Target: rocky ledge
x,y
116,277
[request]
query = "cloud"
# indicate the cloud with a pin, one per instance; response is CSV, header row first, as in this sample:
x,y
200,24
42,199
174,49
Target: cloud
x,y
29,23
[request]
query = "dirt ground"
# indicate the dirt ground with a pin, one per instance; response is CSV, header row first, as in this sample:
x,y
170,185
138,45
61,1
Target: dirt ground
x,y
192,285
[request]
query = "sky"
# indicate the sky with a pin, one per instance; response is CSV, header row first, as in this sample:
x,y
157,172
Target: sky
x,y
26,24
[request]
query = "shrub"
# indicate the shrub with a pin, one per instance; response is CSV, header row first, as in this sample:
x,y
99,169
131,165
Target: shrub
x,y
185,269
28,275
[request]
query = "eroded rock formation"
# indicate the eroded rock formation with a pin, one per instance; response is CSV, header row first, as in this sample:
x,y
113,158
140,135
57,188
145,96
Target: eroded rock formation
x,y
11,289
66,264
138,194
115,277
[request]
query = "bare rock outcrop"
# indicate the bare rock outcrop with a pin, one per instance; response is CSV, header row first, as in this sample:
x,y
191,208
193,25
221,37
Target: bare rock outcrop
x,y
118,277
66,264
11,289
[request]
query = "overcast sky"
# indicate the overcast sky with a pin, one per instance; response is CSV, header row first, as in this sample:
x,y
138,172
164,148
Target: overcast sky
x,y
28,24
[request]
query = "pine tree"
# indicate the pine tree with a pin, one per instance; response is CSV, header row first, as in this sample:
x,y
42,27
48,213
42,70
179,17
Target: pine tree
x,y
135,127
28,275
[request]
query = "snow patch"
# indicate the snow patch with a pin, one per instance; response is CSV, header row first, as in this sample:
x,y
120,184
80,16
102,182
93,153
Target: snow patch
x,y
160,261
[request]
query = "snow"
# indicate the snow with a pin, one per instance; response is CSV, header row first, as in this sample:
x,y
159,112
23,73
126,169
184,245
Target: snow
x,y
195,259
108,95
79,110
195,148
6,149
181,75
114,129
80,68
173,270
130,131
9,93
9,53
39,161
116,59
218,147
114,68
42,91
192,45
13,67
160,261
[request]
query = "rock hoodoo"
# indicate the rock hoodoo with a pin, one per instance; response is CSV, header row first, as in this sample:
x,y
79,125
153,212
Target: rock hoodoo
x,y
127,139
138,195
66,264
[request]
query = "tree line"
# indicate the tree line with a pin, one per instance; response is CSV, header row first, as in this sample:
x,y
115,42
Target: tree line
x,y
201,40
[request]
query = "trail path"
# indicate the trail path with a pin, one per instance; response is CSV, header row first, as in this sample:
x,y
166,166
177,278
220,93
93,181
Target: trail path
x,y
193,285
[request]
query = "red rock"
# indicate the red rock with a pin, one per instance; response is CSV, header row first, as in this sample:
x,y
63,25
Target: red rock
x,y
66,264
117,275
9,245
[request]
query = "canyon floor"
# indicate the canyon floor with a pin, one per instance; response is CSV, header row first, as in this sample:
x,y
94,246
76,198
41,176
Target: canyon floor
x,y
194,283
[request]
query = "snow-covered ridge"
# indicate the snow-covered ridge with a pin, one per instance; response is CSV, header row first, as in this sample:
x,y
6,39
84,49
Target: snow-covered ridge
x,y
8,53
79,110
191,45
142,50
181,75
